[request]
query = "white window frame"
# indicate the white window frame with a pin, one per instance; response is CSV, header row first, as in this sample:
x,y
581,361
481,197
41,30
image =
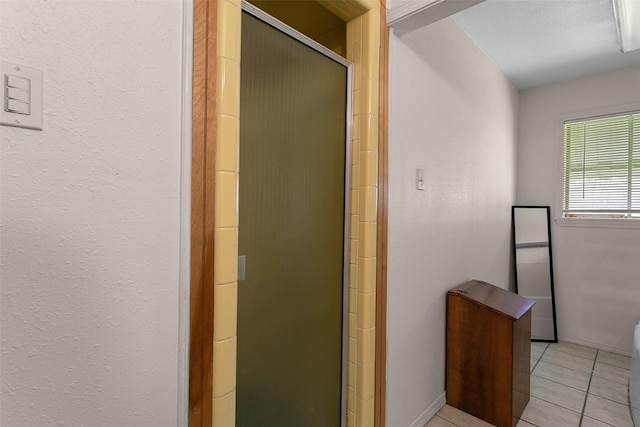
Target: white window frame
x,y
632,223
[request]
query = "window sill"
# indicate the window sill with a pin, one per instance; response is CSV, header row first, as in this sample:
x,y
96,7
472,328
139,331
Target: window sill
x,y
599,222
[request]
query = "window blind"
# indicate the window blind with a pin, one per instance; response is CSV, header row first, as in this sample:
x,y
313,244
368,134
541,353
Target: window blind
x,y
602,167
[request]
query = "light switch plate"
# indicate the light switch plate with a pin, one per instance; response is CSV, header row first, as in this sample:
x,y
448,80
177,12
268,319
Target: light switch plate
x,y
33,120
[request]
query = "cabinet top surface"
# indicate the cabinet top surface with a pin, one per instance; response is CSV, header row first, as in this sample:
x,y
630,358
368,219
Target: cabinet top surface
x,y
497,299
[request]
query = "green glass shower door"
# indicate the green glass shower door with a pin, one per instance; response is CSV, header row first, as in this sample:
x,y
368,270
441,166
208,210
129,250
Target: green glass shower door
x,y
293,109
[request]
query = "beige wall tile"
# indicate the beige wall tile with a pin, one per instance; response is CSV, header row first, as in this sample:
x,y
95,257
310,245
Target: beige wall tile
x,y
365,381
226,213
366,339
367,275
351,392
353,275
368,169
354,230
224,366
367,240
371,61
356,25
364,412
369,101
371,26
228,87
357,101
352,380
353,249
353,325
227,143
351,419
225,311
352,350
228,42
355,134
224,410
356,52
226,260
368,204
366,310
355,173
355,202
369,133
353,304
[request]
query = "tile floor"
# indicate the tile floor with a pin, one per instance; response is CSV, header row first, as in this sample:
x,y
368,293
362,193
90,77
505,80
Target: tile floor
x,y
571,386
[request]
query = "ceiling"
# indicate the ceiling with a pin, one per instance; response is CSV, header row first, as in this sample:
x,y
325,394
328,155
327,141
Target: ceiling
x,y
538,42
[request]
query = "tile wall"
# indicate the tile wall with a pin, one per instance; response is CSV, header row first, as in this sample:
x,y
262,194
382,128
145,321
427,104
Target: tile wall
x,y
363,44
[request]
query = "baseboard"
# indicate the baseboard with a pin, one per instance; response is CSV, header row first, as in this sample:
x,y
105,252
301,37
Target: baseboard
x,y
430,412
587,343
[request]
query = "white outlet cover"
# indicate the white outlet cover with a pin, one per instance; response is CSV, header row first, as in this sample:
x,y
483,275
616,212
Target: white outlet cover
x,y
34,119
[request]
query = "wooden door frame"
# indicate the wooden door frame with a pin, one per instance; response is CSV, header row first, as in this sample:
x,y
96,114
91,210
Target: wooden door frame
x,y
204,129
382,224
202,213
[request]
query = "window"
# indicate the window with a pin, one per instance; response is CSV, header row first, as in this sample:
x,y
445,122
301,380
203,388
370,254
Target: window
x,y
602,167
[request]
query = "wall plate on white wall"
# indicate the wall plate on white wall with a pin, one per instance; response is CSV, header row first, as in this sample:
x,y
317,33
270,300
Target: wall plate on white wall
x,y
22,98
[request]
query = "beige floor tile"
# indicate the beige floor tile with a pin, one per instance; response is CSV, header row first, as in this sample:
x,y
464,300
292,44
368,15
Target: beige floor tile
x,y
609,390
611,373
539,344
558,394
614,359
608,411
545,414
536,351
562,375
461,418
439,422
590,422
575,349
568,360
533,364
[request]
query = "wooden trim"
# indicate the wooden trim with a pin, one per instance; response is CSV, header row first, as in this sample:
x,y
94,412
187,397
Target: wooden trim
x,y
202,199
381,249
209,215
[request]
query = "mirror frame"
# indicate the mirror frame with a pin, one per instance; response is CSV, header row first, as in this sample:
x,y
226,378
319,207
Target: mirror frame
x,y
515,263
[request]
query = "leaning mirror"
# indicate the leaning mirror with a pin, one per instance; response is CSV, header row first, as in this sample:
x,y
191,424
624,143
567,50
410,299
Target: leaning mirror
x,y
534,268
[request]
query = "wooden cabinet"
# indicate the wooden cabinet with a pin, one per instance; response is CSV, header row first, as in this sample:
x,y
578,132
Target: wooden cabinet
x,y
488,352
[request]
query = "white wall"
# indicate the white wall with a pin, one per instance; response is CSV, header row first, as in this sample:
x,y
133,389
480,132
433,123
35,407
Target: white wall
x,y
453,113
90,216
597,270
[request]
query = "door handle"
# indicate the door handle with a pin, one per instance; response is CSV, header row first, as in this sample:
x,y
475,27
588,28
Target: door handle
x,y
242,268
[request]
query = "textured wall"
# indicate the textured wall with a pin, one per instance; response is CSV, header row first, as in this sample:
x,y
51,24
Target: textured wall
x,y
90,216
453,113
596,269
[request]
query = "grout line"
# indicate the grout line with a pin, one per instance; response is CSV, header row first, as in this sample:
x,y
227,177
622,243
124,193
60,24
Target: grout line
x,y
536,364
559,383
450,422
586,396
566,367
615,366
539,358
